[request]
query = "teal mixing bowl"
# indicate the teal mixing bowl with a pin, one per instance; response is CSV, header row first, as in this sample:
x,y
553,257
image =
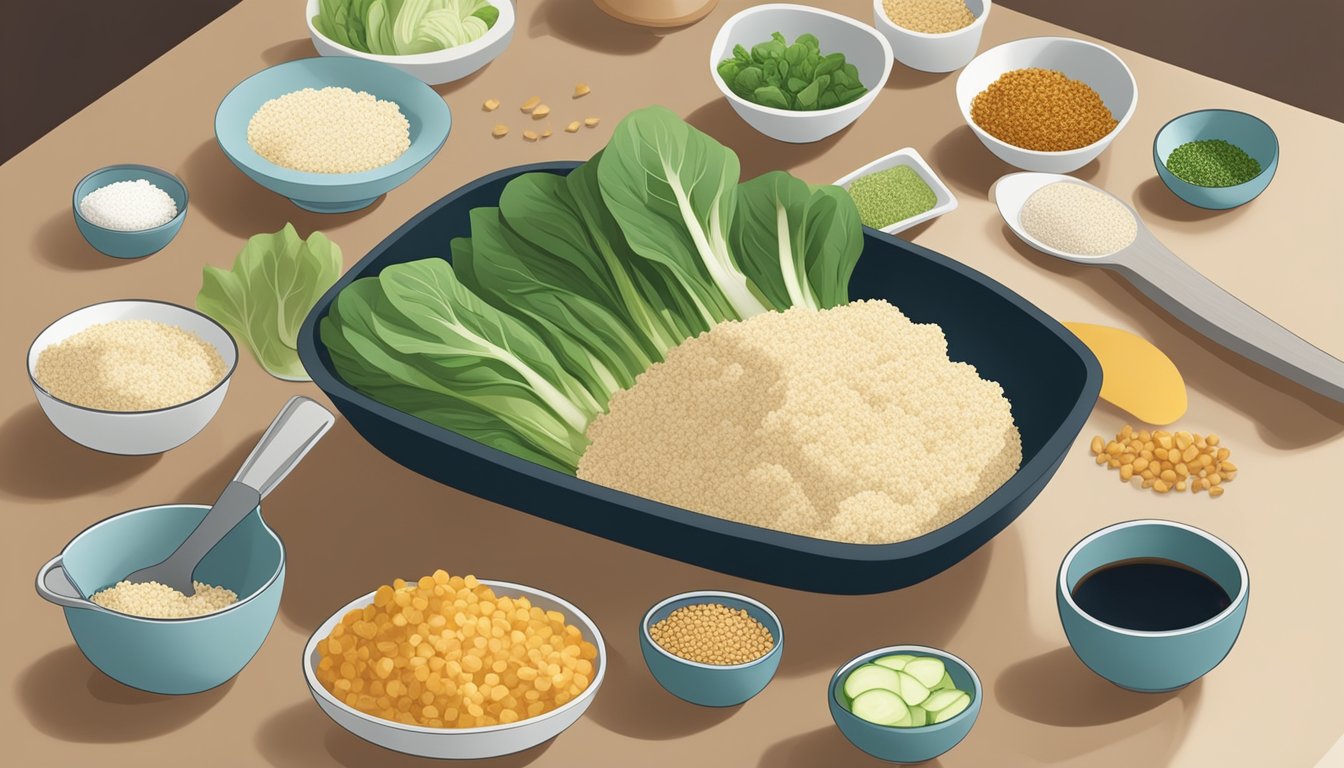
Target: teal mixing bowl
x,y
135,243
173,656
1153,662
1249,132
424,109
906,745
711,685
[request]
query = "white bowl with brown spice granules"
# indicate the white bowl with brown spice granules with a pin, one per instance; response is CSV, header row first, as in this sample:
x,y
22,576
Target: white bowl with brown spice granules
x,y
131,377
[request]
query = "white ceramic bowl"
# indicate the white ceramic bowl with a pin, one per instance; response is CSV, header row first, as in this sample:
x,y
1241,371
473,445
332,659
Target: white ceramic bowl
x,y
134,433
435,67
942,52
944,202
1078,59
863,47
461,743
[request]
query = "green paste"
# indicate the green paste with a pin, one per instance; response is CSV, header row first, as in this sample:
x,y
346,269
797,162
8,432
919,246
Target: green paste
x,y
892,195
1212,163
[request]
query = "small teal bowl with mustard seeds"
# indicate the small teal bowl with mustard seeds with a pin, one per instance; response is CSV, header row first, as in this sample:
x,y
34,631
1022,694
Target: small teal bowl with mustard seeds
x,y
1216,158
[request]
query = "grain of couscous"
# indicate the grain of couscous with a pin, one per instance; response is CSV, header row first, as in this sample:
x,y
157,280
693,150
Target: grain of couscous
x,y
1042,110
129,365
332,130
1077,219
153,600
712,633
447,652
848,424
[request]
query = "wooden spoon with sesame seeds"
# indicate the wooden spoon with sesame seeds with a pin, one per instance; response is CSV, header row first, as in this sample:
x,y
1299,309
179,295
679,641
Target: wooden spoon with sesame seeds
x,y
301,423
1184,292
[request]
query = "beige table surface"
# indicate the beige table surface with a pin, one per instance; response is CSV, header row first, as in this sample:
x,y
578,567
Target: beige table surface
x,y
352,519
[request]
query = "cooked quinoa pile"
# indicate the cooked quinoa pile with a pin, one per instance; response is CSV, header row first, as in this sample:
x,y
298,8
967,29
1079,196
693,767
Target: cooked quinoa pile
x,y
157,601
129,365
848,424
332,130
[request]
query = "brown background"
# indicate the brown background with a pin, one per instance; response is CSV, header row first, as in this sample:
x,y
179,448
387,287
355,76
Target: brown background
x,y
351,519
69,53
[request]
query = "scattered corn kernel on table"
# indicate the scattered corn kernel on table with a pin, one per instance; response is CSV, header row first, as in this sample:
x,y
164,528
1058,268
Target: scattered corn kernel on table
x,y
352,520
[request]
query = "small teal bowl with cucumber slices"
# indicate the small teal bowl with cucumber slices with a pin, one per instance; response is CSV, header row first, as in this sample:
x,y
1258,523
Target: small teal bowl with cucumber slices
x,y
905,703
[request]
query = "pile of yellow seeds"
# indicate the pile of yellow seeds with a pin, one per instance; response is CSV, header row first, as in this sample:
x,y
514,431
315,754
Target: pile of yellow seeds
x,y
712,633
932,17
1042,110
539,111
1168,461
447,652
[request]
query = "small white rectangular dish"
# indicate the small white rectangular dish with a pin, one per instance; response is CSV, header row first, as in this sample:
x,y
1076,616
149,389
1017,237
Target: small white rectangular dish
x,y
945,203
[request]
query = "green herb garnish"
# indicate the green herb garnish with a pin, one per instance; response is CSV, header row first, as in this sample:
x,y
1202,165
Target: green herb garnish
x,y
1212,163
797,77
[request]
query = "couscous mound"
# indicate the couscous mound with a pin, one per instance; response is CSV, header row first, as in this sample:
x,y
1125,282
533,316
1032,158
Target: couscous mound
x,y
849,424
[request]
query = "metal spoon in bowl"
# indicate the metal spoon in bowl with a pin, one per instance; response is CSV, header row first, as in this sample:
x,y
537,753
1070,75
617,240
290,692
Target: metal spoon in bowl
x,y
301,423
1190,296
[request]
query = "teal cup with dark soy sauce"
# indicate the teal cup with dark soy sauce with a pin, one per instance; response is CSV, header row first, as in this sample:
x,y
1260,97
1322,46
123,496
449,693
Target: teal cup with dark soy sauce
x,y
1152,605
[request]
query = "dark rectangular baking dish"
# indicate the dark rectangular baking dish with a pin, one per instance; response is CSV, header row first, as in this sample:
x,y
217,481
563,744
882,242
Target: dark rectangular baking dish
x,y
1047,373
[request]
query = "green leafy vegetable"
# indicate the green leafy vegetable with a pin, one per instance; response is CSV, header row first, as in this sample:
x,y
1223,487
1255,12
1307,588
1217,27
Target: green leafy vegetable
x,y
574,285
403,27
275,280
797,77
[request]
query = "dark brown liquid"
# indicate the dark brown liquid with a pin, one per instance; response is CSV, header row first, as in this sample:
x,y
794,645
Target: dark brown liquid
x,y
1150,595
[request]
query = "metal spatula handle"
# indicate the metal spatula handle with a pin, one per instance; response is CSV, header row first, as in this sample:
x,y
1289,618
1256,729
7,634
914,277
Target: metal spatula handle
x,y
301,423
1198,302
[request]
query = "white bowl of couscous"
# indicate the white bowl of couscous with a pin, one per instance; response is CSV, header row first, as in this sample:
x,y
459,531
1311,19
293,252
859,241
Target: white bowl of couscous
x,y
456,743
132,377
434,67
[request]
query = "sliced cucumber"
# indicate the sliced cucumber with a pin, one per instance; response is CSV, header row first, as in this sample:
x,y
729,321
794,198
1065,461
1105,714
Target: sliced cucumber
x,y
879,706
957,706
940,700
918,716
896,662
904,722
945,684
911,690
869,677
927,670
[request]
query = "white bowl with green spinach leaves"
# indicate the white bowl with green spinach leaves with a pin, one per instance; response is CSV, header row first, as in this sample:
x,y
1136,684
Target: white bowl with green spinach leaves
x,y
436,41
796,73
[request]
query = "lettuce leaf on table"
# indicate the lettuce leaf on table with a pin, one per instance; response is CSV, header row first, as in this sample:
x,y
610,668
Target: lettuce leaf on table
x,y
275,280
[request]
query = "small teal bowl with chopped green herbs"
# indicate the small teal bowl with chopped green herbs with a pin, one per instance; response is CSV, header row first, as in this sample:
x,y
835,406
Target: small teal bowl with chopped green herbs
x,y
425,111
906,744
1246,132
711,685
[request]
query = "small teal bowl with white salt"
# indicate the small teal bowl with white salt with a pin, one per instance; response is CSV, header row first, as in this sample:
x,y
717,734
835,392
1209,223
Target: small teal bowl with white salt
x,y
1250,133
425,111
135,243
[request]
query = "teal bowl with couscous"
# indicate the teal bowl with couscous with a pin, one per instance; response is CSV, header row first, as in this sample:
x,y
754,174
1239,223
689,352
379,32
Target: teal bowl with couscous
x,y
426,114
130,243
169,656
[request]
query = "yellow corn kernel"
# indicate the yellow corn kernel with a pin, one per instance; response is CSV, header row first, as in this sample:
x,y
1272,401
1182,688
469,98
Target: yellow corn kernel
x,y
499,131
527,106
490,105
582,89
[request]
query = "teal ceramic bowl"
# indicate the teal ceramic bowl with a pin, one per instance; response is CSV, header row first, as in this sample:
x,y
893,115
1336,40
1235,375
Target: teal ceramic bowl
x,y
711,685
1246,131
424,109
1153,662
172,656
906,745
137,243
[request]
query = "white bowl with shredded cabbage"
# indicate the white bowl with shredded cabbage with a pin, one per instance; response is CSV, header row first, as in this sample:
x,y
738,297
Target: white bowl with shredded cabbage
x,y
435,67
131,377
